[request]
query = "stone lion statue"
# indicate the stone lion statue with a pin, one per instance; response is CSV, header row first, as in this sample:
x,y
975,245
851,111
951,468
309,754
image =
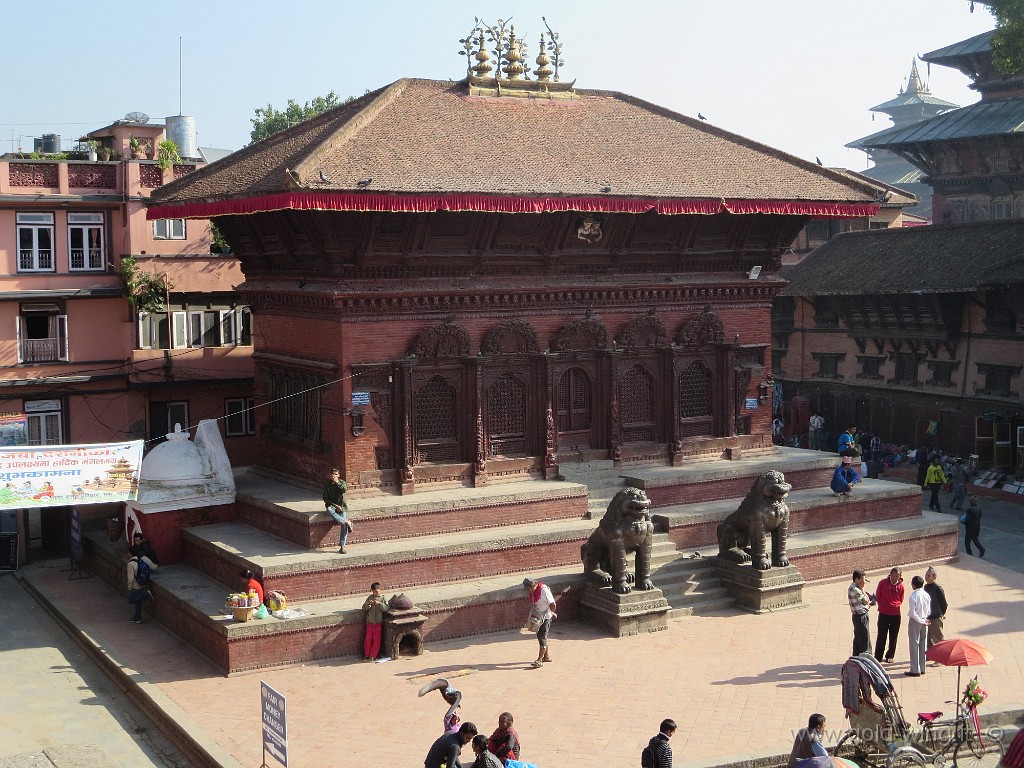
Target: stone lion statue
x,y
741,536
626,527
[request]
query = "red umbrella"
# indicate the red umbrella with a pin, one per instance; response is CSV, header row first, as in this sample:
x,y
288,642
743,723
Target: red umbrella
x,y
959,652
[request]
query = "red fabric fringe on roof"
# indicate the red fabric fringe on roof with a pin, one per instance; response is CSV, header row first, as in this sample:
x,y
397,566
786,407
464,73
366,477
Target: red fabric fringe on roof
x,y
341,201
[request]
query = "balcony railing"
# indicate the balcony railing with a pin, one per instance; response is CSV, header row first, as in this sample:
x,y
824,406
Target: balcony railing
x,y
91,258
39,350
39,260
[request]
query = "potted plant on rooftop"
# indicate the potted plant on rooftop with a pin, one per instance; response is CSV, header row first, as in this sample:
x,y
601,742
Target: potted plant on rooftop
x,y
167,154
137,147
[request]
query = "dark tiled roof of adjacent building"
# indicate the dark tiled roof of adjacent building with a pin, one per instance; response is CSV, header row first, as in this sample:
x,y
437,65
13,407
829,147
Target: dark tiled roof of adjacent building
x,y
954,258
426,137
970,47
986,118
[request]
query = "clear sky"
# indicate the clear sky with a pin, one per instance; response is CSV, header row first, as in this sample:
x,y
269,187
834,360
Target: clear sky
x,y
798,75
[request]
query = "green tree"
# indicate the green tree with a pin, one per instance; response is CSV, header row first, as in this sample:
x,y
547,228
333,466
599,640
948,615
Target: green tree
x,y
1008,42
269,120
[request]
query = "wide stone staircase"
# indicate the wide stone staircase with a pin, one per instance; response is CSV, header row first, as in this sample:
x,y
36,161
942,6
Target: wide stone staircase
x,y
461,553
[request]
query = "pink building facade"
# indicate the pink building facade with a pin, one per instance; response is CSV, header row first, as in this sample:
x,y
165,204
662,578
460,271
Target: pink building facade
x,y
76,357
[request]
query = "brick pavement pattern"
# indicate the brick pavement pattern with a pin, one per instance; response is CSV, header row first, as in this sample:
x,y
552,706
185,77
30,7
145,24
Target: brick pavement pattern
x,y
737,684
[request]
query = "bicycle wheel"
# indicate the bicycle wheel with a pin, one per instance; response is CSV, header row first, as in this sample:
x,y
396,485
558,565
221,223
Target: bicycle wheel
x,y
905,757
975,753
853,748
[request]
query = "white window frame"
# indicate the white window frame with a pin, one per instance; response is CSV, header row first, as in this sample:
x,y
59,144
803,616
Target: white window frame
x,y
92,259
240,408
148,331
38,259
179,330
60,328
169,229
47,424
228,324
181,406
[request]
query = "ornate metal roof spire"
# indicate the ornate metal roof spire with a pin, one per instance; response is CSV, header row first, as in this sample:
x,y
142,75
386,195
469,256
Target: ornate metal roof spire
x,y
543,70
500,71
914,84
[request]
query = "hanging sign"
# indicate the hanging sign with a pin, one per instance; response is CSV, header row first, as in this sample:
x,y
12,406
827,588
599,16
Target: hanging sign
x,y
63,475
751,403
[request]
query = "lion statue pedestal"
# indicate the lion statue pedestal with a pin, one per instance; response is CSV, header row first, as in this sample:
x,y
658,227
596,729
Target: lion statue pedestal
x,y
759,583
623,601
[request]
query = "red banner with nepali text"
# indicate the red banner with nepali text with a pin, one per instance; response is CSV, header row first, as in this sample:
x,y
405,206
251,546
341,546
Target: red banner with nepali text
x,y
62,475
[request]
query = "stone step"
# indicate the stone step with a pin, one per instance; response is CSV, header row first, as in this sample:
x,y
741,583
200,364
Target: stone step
x,y
298,516
190,601
222,550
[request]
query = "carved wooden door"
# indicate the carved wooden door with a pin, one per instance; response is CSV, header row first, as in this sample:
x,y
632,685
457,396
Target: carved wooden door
x,y
573,399
696,398
507,416
435,418
637,404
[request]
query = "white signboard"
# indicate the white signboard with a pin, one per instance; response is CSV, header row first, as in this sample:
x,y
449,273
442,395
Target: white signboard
x,y
64,475
275,725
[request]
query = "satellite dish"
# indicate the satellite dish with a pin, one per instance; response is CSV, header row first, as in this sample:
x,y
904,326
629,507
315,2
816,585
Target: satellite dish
x,y
136,117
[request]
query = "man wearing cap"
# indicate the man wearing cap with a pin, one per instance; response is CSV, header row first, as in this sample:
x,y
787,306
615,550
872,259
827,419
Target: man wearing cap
x,y
845,478
542,606
859,605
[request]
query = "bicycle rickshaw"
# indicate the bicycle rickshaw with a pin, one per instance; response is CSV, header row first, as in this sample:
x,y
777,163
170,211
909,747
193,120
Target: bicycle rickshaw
x,y
880,736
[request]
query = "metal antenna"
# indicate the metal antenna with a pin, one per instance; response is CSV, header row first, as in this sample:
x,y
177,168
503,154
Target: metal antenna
x,y
179,74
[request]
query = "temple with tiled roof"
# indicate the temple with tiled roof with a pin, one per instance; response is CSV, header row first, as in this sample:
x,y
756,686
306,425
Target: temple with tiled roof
x,y
915,334
463,283
912,105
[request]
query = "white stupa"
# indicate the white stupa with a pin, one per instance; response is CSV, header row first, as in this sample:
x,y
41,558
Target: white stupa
x,y
186,474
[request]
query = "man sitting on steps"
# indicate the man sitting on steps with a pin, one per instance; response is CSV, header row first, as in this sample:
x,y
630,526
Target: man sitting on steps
x,y
337,507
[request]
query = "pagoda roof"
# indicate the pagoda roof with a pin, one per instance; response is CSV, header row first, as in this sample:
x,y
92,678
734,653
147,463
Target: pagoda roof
x,y
915,94
911,99
960,258
890,195
985,118
972,46
427,145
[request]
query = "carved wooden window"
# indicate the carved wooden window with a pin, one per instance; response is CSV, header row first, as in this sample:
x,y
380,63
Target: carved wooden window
x,y
695,401
295,406
572,401
506,417
435,422
828,364
942,373
870,367
906,369
998,379
636,404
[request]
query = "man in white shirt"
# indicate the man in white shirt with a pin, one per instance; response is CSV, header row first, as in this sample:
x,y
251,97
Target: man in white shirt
x,y
920,609
816,426
542,606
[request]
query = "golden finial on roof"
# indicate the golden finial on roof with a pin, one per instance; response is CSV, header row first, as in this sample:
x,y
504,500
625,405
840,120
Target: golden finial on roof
x,y
483,67
514,57
500,71
543,71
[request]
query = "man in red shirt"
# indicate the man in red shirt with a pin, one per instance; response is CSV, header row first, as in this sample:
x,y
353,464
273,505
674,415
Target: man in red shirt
x,y
889,595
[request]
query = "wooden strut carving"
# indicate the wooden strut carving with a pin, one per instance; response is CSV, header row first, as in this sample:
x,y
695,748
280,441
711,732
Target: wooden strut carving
x,y
645,331
704,330
510,338
581,335
442,340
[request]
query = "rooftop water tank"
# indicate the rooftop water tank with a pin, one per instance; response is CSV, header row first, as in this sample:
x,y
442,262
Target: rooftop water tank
x,y
181,129
49,144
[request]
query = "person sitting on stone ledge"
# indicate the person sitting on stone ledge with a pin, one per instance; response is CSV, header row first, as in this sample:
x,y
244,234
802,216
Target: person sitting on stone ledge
x,y
337,507
845,478
808,741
